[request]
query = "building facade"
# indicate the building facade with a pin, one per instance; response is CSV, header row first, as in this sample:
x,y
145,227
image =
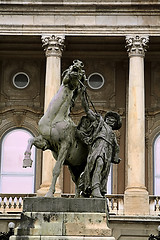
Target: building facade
x,y
119,44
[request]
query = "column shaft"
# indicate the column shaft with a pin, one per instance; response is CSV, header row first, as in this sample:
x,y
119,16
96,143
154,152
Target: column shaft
x,y
136,124
53,46
136,198
53,78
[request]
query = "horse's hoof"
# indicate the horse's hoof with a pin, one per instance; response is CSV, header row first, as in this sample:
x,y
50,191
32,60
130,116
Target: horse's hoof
x,y
27,161
77,196
49,194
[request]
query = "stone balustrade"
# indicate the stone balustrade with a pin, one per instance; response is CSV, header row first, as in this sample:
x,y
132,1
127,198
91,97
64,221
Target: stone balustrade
x,y
154,203
115,204
13,203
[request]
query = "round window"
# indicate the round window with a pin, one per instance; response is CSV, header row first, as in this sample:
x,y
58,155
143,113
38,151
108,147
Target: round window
x,y
21,80
95,80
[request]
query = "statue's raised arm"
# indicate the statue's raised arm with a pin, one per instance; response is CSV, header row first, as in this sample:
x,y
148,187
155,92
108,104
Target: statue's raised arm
x,y
85,105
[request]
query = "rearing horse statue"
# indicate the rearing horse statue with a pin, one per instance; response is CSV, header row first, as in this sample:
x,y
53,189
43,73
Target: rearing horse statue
x,y
57,130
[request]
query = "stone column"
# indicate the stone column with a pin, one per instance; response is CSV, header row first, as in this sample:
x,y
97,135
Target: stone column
x,y
53,46
136,199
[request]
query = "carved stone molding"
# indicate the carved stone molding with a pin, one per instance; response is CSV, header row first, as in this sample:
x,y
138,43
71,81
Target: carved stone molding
x,y
53,45
137,45
14,118
12,97
155,87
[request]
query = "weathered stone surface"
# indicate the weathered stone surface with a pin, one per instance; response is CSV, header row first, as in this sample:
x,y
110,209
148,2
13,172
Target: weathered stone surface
x,y
87,224
63,218
63,224
60,238
98,20
136,202
41,224
41,204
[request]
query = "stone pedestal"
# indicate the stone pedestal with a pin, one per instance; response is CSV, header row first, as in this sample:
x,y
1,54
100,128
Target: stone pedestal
x,y
63,218
136,202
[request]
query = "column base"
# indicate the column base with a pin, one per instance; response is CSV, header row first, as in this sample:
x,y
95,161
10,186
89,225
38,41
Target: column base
x,y
136,202
43,189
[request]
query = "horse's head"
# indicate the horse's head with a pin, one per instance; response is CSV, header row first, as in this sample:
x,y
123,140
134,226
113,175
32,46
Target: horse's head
x,y
74,75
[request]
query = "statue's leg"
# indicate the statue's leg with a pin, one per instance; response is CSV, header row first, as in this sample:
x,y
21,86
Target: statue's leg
x,y
27,161
104,179
75,174
38,142
57,168
75,179
30,144
96,178
41,143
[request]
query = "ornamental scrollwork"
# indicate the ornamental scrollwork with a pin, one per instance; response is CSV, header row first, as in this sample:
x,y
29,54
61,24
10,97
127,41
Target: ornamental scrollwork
x,y
137,45
53,44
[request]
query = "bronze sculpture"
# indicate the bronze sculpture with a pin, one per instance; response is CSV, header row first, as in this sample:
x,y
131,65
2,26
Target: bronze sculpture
x,y
57,130
89,148
97,133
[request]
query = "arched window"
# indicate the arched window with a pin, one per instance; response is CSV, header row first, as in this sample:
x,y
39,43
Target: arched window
x,y
13,177
157,165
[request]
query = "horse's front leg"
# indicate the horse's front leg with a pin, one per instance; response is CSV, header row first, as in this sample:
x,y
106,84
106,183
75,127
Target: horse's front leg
x,y
27,161
38,142
57,168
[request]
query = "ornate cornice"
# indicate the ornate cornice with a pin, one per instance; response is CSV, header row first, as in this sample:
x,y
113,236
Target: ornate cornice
x,y
53,45
137,45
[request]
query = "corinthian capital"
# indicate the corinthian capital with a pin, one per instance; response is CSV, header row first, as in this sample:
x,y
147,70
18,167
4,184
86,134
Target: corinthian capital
x,y
53,44
137,45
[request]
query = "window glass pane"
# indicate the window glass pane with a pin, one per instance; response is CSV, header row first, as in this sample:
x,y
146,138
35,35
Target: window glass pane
x,y
17,184
13,148
157,166
14,178
21,80
109,183
95,80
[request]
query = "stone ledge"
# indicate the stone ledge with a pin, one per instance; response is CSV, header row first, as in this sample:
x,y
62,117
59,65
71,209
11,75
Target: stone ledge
x,y
41,204
134,219
59,238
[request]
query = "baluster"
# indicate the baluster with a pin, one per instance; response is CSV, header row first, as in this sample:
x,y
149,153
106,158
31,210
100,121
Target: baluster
x,y
15,203
1,210
110,204
115,205
7,204
152,206
157,206
20,203
10,205
4,204
120,206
